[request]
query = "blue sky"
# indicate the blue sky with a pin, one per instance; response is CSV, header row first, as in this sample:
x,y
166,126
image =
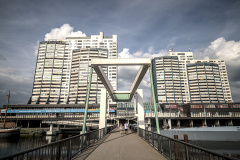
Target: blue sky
x,y
144,28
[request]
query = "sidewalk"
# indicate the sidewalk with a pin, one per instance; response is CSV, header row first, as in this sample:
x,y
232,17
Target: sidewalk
x,y
121,147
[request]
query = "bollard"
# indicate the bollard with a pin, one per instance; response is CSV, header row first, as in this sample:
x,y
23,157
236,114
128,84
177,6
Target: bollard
x,y
176,148
186,147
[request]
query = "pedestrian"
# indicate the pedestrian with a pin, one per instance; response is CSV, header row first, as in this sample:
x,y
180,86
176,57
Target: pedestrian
x,y
121,127
126,128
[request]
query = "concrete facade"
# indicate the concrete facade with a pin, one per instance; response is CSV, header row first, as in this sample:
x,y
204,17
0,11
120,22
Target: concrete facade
x,y
176,80
57,60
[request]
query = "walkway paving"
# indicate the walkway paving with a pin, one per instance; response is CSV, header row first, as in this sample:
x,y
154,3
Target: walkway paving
x,y
121,147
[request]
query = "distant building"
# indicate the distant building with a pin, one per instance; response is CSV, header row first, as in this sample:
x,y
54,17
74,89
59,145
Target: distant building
x,y
56,61
178,78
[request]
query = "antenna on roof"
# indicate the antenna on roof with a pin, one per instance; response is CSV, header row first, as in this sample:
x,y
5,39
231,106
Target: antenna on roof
x,y
172,49
189,49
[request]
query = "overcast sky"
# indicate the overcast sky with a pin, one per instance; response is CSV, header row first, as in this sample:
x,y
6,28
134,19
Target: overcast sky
x,y
144,29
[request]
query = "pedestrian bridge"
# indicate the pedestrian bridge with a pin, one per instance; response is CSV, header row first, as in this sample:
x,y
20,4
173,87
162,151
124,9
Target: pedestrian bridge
x,y
116,146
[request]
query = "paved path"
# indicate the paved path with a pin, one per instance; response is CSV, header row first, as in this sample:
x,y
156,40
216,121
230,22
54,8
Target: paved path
x,y
121,147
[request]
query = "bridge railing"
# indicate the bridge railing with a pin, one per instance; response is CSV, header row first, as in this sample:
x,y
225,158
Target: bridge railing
x,y
178,150
63,149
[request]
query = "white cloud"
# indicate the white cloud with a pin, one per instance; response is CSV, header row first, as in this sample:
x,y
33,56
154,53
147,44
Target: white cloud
x,y
230,52
125,54
227,50
140,54
64,31
150,49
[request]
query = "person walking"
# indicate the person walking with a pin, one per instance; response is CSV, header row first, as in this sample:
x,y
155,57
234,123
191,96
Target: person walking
x,y
120,128
126,128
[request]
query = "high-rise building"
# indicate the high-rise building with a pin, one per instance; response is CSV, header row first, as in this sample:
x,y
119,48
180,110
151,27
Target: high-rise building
x,y
225,87
178,78
80,72
49,73
54,73
205,83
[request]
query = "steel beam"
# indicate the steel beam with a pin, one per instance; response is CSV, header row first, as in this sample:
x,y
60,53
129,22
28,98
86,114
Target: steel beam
x,y
138,79
154,101
121,61
104,79
87,101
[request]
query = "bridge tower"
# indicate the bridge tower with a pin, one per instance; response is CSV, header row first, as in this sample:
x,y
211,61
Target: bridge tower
x,y
121,96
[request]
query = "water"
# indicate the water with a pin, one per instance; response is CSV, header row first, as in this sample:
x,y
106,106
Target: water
x,y
9,147
231,149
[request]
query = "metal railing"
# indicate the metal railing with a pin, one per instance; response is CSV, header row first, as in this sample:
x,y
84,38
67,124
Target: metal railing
x,y
178,150
63,149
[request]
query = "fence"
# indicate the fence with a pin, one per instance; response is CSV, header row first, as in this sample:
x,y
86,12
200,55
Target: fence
x,y
63,149
178,150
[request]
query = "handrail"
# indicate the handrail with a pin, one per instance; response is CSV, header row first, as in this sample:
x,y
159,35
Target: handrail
x,y
62,149
176,149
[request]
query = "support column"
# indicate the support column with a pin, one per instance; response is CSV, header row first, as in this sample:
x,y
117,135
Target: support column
x,y
230,123
149,125
28,124
135,103
108,105
170,123
141,115
164,122
154,101
217,123
204,123
178,123
58,127
51,128
191,123
103,109
51,132
87,101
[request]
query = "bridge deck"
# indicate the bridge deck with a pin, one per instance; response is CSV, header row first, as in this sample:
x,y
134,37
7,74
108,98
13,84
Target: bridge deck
x,y
121,147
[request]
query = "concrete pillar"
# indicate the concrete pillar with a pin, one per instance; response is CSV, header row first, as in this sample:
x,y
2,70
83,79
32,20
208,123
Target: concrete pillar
x,y
141,114
170,123
51,128
108,106
103,109
58,127
49,139
118,122
191,123
28,124
217,123
204,122
135,103
40,124
178,123
165,123
230,123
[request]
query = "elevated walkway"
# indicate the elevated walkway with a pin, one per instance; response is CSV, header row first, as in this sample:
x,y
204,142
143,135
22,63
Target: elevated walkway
x,y
121,147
